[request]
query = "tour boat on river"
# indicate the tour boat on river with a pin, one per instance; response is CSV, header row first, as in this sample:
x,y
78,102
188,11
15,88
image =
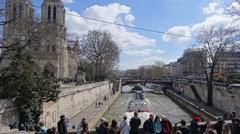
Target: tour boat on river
x,y
139,103
136,89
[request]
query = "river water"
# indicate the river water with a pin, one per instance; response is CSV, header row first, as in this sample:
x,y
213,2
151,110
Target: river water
x,y
161,105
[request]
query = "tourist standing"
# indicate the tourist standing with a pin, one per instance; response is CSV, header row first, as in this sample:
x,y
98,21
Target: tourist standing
x,y
183,128
102,126
85,129
114,129
194,127
62,126
167,126
235,125
148,125
43,128
219,125
157,126
135,122
80,126
124,126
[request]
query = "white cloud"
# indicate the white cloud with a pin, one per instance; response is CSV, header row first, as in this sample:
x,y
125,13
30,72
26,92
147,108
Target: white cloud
x,y
213,8
235,5
216,19
129,18
150,60
144,52
144,57
178,30
68,1
112,13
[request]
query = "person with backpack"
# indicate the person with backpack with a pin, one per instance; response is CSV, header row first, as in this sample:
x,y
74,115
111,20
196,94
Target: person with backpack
x,y
124,126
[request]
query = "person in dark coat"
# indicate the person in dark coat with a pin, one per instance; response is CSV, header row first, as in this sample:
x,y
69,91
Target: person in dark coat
x,y
114,129
148,125
183,128
237,126
194,127
103,127
62,126
85,129
135,122
219,125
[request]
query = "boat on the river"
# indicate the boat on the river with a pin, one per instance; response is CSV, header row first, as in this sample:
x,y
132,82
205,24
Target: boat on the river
x,y
136,89
139,103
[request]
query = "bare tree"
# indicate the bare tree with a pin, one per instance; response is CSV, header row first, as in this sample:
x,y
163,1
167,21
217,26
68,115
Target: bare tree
x,y
214,42
101,51
234,8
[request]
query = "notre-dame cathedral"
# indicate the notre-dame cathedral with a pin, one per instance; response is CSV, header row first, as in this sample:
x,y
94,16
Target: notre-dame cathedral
x,y
55,53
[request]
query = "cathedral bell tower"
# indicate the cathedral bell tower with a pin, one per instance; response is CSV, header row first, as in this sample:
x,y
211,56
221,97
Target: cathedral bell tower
x,y
20,17
53,12
53,26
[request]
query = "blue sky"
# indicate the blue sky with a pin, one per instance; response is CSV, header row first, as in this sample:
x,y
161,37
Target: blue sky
x,y
143,47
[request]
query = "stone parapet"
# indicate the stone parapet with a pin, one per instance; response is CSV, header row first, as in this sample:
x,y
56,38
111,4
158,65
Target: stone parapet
x,y
73,100
224,98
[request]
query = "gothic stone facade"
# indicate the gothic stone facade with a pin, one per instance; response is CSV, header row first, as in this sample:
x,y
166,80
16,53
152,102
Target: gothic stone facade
x,y
53,52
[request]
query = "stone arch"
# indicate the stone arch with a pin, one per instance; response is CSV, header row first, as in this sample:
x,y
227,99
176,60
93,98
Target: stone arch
x,y
50,69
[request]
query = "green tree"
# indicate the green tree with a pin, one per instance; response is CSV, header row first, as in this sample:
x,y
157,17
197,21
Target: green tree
x,y
26,88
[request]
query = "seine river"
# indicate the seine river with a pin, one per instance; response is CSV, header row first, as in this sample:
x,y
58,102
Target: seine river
x,y
161,105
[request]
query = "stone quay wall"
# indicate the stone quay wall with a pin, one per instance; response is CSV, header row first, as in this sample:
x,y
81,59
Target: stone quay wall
x,y
190,107
224,98
73,100
8,115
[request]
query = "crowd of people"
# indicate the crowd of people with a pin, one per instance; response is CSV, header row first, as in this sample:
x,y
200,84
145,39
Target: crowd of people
x,y
153,125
